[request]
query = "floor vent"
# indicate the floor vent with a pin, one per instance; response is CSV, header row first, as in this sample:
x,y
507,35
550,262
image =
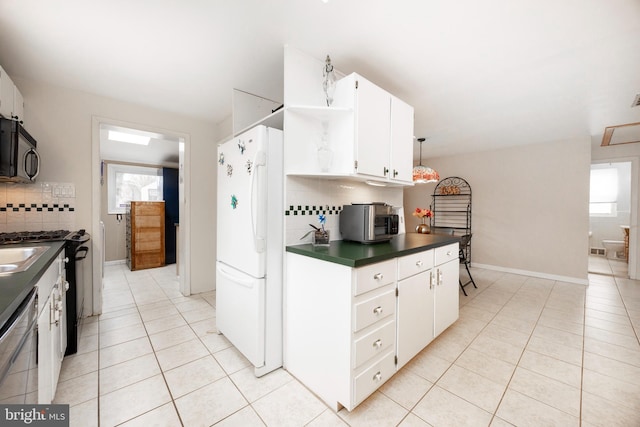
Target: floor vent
x,y
596,251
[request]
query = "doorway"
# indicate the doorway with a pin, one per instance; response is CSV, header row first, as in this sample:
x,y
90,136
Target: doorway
x,y
611,214
163,149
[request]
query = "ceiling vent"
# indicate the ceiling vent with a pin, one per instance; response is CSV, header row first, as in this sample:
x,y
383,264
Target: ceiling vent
x,y
636,101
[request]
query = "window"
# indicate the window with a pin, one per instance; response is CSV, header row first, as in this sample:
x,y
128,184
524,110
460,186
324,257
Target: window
x,y
127,183
603,192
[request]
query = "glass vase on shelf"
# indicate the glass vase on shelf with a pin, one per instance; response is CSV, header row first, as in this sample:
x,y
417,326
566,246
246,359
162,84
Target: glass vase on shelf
x,y
325,155
423,227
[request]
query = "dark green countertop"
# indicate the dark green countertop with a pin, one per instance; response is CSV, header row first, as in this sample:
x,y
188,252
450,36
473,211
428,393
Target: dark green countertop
x,y
15,287
354,254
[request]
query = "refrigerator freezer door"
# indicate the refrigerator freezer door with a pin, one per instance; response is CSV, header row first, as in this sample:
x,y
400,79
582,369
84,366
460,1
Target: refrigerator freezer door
x,y
240,308
242,207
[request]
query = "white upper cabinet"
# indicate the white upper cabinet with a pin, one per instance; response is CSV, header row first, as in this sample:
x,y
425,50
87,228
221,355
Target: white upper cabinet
x,y
11,101
373,125
401,141
18,105
6,94
366,133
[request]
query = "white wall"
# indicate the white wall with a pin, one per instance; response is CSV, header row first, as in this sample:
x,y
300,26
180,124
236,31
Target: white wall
x,y
529,206
61,122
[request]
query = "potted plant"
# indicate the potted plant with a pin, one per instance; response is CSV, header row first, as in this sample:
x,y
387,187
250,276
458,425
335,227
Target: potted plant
x,y
320,235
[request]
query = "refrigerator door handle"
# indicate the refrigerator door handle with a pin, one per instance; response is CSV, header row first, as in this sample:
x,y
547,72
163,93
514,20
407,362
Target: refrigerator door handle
x,y
259,161
247,283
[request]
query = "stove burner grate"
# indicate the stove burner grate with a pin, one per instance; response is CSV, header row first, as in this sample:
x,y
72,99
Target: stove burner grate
x,y
33,236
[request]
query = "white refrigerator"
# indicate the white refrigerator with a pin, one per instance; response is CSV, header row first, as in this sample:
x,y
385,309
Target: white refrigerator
x,y
250,221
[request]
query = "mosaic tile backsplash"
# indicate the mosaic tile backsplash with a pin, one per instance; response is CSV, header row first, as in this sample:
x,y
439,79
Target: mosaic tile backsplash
x,y
38,206
307,198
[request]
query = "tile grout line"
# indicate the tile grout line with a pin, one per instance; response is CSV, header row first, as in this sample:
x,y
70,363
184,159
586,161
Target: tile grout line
x,y
164,378
517,364
626,309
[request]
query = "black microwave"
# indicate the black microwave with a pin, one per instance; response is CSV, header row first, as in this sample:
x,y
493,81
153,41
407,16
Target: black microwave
x,y
19,159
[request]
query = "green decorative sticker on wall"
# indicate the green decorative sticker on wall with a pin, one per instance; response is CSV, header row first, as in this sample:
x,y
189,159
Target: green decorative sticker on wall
x,y
234,201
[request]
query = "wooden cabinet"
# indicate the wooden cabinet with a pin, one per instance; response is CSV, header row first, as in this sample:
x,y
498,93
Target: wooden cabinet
x,y
145,235
348,330
11,100
52,330
367,134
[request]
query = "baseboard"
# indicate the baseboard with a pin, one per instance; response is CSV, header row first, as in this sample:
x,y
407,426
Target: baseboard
x,y
555,277
116,262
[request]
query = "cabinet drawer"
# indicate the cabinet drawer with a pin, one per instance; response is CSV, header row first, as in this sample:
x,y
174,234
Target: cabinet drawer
x,y
374,309
373,377
446,253
374,276
374,343
413,264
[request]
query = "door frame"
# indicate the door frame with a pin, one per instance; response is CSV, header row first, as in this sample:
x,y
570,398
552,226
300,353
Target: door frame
x,y
634,263
184,196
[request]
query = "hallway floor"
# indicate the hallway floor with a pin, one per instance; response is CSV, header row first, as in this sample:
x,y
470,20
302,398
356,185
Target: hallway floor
x,y
525,351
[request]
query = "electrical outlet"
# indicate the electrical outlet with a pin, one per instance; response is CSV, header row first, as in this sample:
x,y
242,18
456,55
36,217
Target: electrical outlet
x,y
63,190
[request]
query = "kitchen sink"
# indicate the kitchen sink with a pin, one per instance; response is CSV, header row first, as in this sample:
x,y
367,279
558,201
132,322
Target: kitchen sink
x,y
17,259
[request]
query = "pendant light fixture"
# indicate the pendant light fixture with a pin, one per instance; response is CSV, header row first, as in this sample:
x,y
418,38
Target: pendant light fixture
x,y
424,174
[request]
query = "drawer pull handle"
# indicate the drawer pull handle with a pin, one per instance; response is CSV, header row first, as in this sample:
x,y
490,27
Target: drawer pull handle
x,y
377,310
439,277
448,253
419,263
377,344
377,376
378,276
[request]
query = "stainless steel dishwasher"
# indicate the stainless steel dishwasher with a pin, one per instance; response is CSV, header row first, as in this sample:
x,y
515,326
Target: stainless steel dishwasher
x,y
18,354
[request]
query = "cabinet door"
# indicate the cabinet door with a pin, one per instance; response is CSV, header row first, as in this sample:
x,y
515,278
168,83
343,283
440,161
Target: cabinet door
x,y
6,94
18,105
58,331
45,386
401,140
373,127
446,296
415,315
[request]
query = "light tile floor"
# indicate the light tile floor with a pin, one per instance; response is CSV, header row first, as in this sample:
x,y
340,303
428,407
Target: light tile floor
x,y
525,351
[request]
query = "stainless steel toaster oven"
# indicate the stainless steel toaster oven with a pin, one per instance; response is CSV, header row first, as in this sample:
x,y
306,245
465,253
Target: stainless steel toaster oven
x,y
368,222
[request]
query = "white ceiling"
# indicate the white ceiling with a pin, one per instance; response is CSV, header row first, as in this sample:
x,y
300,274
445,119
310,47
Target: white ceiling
x,y
480,74
162,150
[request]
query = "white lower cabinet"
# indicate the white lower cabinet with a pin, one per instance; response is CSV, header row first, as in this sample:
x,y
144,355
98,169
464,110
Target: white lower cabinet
x,y
348,330
415,304
52,331
415,315
447,294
